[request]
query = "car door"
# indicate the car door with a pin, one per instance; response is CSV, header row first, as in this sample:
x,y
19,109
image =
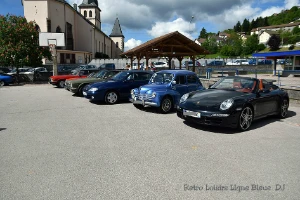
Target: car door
x,y
265,101
192,82
181,85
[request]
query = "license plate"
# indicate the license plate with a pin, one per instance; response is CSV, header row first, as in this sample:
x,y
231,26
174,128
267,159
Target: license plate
x,y
191,113
84,93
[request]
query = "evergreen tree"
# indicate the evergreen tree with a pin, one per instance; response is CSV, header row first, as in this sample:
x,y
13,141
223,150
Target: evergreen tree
x,y
274,42
203,33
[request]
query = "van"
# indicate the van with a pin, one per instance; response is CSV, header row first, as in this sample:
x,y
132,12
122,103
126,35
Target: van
x,y
109,66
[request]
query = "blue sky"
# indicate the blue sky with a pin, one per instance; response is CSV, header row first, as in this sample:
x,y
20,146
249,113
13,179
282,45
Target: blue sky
x,y
143,20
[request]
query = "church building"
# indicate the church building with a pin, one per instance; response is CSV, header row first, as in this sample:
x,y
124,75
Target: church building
x,y
81,26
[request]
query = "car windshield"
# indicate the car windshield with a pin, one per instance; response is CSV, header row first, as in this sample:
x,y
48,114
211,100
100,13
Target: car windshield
x,y
121,76
161,78
235,83
100,74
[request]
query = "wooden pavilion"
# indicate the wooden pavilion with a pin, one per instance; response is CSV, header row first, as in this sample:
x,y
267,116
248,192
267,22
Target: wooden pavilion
x,y
171,45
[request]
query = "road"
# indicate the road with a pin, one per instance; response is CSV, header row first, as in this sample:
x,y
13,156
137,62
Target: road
x,y
57,146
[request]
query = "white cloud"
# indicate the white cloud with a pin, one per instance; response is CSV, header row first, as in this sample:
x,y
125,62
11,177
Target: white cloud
x,y
161,28
290,3
131,43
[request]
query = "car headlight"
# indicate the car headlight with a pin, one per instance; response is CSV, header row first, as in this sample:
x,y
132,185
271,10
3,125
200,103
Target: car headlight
x,y
184,98
132,92
153,95
93,89
226,104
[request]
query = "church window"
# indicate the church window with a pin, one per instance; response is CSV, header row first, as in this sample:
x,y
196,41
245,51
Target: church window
x,y
117,44
85,13
58,29
90,14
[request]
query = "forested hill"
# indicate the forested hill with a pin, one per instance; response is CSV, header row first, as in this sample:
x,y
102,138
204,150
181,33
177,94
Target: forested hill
x,y
284,17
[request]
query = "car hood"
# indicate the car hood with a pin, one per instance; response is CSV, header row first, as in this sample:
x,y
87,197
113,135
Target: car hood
x,y
86,80
213,97
106,83
145,88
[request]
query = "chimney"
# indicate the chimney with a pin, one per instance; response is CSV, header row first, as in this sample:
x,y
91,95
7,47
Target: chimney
x,y
75,6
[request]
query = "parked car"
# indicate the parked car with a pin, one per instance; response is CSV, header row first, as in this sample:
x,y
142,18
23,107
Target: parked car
x,y
118,87
260,62
4,70
37,69
160,64
109,66
59,80
22,70
238,62
190,64
165,89
76,86
6,79
81,67
216,63
234,102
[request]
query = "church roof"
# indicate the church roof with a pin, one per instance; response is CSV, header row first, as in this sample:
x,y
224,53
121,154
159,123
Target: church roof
x,y
89,3
116,31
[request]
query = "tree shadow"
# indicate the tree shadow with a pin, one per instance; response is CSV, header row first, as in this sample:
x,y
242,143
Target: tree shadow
x,y
3,129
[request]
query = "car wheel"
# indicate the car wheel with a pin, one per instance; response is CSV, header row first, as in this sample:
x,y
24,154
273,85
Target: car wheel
x,y
245,119
166,105
284,108
61,84
1,83
80,90
111,97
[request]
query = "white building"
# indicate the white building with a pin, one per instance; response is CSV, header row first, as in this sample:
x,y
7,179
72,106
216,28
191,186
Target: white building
x,y
82,28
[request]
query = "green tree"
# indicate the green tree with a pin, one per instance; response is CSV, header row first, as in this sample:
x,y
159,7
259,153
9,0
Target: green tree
x,y
246,26
237,27
232,46
274,42
211,45
203,33
19,42
296,30
250,45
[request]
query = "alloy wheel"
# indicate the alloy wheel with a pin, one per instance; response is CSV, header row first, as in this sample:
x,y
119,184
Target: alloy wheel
x,y
245,118
1,83
111,97
284,108
61,84
166,105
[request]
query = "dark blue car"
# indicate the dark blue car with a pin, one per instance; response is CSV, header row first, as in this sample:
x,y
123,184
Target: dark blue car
x,y
165,89
5,79
118,87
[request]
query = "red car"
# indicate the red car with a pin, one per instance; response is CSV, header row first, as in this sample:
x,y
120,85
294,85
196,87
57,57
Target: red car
x,y
59,80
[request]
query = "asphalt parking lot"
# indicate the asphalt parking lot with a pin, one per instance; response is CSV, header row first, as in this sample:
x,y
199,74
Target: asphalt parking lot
x,y
57,146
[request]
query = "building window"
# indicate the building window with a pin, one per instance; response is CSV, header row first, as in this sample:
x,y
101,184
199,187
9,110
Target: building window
x,y
90,14
48,25
117,44
69,37
67,56
85,13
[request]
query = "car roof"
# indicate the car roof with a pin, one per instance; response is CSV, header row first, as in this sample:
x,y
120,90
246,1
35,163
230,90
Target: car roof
x,y
177,71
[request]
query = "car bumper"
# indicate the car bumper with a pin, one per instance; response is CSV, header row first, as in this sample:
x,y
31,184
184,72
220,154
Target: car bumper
x,y
143,102
94,96
210,118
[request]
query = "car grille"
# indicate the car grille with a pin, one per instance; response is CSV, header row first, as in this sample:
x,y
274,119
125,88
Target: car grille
x,y
143,96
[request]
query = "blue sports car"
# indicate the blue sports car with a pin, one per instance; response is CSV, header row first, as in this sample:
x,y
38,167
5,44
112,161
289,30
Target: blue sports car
x,y
165,89
118,87
5,79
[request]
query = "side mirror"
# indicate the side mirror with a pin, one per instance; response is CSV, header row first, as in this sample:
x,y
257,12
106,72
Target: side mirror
x,y
173,82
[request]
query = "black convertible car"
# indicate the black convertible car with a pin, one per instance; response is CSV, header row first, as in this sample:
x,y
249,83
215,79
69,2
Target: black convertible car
x,y
234,102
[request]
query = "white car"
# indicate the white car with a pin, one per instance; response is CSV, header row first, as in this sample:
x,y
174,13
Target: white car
x,y
37,69
160,64
239,62
21,70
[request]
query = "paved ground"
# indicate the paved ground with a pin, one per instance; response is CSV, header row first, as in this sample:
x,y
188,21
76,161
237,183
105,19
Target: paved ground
x,y
56,146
